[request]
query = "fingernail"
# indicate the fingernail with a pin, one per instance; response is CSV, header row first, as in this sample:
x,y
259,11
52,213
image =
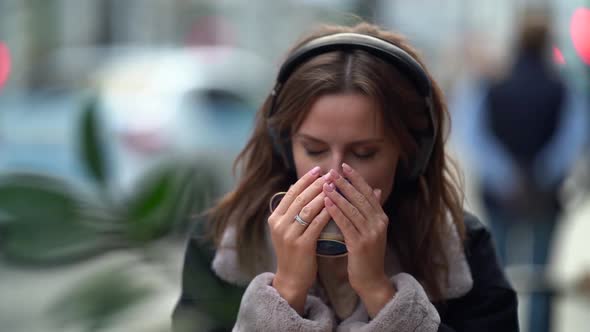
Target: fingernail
x,y
377,192
329,187
346,168
315,171
335,174
328,202
327,177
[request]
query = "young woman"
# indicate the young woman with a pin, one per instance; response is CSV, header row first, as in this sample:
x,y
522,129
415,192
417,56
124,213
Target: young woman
x,y
371,234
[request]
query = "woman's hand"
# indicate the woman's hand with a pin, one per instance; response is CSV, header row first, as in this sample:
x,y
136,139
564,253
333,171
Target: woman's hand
x,y
295,243
363,223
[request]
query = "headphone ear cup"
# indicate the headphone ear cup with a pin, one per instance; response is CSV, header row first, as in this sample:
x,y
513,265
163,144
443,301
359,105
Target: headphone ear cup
x,y
416,164
425,140
404,173
274,138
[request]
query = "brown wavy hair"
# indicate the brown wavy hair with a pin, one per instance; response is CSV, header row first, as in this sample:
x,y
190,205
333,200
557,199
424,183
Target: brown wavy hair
x,y
418,210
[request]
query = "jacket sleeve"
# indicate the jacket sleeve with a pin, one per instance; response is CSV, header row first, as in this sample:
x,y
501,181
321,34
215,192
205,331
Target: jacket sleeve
x,y
556,158
207,303
491,305
263,309
408,311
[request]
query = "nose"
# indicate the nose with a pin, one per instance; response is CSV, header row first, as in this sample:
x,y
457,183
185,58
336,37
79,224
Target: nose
x,y
335,163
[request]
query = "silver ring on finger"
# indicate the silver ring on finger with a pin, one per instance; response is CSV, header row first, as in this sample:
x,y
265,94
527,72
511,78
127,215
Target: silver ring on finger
x,y
301,221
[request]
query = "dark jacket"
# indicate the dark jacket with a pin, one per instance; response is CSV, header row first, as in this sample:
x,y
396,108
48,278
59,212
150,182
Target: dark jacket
x,y
208,303
525,109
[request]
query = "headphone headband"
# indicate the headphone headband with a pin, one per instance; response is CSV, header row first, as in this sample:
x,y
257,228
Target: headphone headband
x,y
386,51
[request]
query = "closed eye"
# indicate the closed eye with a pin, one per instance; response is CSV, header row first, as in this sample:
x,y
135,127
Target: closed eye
x,y
314,152
365,155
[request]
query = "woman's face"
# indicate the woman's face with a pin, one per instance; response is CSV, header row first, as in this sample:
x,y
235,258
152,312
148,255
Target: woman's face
x,y
347,128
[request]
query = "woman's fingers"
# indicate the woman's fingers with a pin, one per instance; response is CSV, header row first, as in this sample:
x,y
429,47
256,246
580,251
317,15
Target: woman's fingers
x,y
353,196
308,214
312,232
351,234
350,211
360,206
361,185
296,189
304,198
377,193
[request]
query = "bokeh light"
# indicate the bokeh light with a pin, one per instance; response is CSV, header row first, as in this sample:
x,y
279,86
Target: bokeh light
x,y
4,63
580,33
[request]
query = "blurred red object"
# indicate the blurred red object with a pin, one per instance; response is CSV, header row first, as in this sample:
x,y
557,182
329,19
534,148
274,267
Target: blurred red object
x,y
558,56
211,31
580,32
4,63
144,142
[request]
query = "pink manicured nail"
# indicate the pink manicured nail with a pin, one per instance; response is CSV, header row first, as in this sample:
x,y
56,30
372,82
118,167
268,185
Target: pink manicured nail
x,y
328,202
377,193
315,171
346,168
329,187
327,177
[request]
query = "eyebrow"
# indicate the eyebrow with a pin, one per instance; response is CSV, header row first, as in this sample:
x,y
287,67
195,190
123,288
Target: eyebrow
x,y
363,141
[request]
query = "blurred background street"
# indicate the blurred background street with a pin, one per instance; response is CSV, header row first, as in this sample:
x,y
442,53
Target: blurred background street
x,y
120,120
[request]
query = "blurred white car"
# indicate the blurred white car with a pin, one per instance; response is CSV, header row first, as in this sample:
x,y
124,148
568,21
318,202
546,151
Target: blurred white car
x,y
196,103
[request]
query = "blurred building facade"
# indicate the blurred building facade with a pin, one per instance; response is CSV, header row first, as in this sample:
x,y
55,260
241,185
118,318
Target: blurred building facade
x,y
39,32
57,46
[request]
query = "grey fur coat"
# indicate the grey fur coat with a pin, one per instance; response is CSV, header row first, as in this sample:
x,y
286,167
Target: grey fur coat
x,y
411,309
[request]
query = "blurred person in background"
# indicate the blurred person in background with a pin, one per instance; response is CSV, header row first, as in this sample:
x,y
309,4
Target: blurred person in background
x,y
353,132
527,129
